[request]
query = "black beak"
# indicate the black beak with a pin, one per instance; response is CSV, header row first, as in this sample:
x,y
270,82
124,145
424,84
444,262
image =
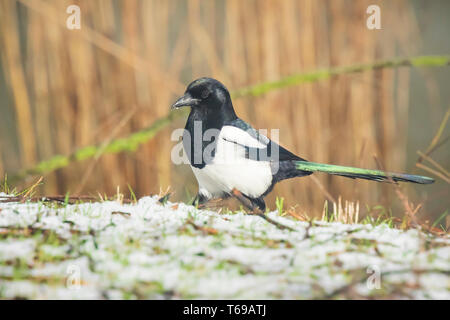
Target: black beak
x,y
185,101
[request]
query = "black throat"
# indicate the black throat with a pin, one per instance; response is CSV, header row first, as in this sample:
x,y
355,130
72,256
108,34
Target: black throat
x,y
202,126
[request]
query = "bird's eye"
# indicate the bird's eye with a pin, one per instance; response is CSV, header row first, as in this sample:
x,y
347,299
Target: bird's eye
x,y
205,94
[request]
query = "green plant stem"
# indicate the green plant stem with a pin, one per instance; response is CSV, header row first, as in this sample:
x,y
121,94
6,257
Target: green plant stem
x,y
296,79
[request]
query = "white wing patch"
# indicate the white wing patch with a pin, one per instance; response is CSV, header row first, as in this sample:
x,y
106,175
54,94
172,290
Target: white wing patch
x,y
242,137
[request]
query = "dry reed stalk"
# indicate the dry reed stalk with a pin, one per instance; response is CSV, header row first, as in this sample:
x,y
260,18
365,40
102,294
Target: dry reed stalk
x,y
103,42
344,213
40,89
2,172
434,163
12,58
432,171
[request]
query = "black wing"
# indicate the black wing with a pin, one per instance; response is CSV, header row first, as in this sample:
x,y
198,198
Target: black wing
x,y
262,148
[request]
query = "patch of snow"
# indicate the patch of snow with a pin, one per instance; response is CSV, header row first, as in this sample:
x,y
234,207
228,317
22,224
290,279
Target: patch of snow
x,y
151,250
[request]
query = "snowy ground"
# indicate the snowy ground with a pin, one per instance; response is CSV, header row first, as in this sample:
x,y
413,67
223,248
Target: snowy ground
x,y
151,250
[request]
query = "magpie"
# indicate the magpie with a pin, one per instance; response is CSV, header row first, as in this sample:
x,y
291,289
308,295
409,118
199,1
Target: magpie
x,y
227,154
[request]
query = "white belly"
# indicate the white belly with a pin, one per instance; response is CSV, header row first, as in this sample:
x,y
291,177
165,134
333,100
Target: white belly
x,y
216,180
230,169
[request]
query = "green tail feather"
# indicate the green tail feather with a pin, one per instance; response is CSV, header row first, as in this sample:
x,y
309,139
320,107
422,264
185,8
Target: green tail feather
x,y
358,173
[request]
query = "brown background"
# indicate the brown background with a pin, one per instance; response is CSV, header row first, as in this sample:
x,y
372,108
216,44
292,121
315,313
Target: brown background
x,y
62,90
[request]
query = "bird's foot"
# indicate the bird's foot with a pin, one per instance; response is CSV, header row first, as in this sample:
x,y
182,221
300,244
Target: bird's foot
x,y
248,203
256,210
203,203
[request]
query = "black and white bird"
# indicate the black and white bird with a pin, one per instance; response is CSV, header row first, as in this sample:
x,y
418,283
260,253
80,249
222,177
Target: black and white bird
x,y
226,153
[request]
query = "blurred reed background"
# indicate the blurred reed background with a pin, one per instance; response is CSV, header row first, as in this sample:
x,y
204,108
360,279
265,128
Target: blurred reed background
x,y
64,89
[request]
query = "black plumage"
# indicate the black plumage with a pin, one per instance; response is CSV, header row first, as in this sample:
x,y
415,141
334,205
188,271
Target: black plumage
x,y
234,156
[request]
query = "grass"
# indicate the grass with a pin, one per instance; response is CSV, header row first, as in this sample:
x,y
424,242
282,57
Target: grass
x,y
137,261
279,202
439,221
203,261
132,194
347,213
342,211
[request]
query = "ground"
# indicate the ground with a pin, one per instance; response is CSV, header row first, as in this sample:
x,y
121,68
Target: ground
x,y
154,249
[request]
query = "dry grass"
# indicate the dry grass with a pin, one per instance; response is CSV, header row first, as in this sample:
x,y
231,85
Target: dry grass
x,y
347,213
70,89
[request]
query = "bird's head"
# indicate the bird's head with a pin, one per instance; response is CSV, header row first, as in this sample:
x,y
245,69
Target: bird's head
x,y
206,94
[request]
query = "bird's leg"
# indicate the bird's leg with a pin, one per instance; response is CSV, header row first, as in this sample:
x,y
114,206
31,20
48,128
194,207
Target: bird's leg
x,y
250,203
244,200
197,201
202,202
256,210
